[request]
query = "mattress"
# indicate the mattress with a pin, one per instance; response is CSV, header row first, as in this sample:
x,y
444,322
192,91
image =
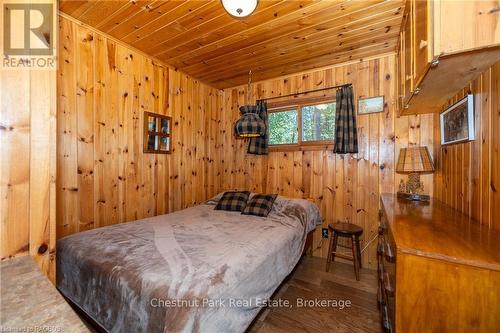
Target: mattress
x,y
194,270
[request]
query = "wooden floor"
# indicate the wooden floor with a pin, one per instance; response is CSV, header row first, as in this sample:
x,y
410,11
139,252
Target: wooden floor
x,y
310,281
30,303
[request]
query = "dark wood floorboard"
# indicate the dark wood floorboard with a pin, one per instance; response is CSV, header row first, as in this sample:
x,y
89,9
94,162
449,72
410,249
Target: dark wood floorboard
x,y
310,281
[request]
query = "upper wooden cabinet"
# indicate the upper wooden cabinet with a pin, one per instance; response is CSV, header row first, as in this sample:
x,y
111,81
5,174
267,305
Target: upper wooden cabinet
x,y
464,25
420,43
440,31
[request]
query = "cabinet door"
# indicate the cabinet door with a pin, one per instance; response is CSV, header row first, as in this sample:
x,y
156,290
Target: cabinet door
x,y
464,26
408,57
421,37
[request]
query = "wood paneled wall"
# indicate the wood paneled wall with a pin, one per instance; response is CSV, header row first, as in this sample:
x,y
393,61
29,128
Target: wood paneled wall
x,y
468,174
346,187
28,165
104,87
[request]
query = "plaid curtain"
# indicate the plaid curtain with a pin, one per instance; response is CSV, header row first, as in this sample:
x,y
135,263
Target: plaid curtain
x,y
346,134
260,145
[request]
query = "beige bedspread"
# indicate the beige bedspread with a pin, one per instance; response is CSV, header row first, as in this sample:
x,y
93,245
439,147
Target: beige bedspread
x,y
195,270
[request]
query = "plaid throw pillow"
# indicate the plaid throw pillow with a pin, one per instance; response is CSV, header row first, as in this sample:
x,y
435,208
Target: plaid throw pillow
x,y
260,205
233,201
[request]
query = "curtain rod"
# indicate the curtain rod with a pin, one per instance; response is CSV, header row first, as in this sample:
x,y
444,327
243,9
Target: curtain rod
x,y
306,92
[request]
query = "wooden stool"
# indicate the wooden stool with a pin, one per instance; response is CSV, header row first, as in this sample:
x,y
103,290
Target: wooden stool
x,y
348,230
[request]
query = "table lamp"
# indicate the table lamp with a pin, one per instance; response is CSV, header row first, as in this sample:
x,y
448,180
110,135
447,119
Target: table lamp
x,y
414,161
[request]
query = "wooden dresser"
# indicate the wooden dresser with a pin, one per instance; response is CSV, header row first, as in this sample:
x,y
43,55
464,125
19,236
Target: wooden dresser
x,y
439,271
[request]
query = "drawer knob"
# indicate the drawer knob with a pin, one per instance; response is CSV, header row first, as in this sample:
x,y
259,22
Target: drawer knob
x,y
386,322
388,285
389,254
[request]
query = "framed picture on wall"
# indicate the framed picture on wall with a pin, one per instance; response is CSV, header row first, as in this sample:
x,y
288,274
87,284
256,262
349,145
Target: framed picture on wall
x,y
457,122
157,133
370,105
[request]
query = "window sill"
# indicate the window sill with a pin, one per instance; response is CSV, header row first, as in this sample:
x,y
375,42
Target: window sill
x,y
303,147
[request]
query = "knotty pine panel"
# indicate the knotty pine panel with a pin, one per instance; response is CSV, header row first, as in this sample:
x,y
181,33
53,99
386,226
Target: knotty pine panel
x,y
345,187
201,39
468,174
104,87
28,165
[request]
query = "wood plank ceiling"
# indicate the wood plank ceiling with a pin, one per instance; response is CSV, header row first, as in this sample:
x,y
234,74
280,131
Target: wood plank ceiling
x,y
281,37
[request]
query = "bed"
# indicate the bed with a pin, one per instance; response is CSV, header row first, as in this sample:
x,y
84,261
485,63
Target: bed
x,y
194,270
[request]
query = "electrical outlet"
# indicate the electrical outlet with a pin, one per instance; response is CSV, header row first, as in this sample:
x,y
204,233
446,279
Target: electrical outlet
x,y
324,232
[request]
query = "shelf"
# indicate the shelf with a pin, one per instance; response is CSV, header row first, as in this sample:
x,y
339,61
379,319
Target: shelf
x,y
446,77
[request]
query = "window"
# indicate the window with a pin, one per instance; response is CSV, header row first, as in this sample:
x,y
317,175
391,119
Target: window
x,y
157,133
318,122
300,125
283,127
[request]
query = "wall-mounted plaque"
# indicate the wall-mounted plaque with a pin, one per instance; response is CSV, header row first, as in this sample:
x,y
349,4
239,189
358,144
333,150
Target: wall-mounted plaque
x,y
370,105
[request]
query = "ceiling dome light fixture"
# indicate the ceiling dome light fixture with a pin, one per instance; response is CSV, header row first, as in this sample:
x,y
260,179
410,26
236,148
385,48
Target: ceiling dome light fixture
x,y
240,8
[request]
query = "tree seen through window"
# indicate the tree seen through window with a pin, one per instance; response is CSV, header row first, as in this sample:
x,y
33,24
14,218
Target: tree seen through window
x,y
317,124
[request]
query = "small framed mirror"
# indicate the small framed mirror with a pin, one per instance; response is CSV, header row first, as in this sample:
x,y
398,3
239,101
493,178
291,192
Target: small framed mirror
x,y
157,133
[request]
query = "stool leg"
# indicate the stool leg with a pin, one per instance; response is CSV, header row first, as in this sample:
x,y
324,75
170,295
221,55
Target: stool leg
x,y
331,250
335,240
355,257
358,247
329,253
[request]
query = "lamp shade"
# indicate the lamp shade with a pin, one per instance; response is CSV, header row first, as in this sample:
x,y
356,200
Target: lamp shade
x,y
239,8
250,124
414,160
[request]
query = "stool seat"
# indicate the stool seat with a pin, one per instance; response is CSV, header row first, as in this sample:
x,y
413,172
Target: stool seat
x,y
346,229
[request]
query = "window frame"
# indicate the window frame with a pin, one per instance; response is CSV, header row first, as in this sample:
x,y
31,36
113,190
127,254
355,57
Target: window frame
x,y
298,105
158,133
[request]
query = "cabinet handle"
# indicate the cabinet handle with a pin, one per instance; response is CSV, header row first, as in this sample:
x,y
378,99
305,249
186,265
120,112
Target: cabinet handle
x,y
389,255
408,77
386,322
387,285
423,44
